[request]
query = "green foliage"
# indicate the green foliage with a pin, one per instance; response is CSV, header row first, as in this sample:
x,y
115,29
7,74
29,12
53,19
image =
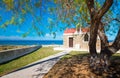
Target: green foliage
x,y
50,20
23,11
38,4
78,26
0,18
54,34
37,29
68,12
9,4
12,20
55,1
25,34
8,22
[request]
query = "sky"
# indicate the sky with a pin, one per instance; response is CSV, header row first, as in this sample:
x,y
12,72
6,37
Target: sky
x,y
16,32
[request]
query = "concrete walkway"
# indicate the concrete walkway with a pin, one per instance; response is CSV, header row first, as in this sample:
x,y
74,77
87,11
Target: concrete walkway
x,y
37,69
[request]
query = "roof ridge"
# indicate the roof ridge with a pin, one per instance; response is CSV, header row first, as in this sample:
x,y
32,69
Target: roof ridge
x,y
73,30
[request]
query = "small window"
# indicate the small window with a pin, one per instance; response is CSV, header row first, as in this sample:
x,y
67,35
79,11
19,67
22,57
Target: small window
x,y
86,37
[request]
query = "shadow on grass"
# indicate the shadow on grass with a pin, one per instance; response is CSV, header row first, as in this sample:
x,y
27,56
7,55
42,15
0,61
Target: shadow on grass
x,y
77,66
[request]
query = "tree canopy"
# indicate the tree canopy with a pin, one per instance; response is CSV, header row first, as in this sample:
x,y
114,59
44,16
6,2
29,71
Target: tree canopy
x,y
67,12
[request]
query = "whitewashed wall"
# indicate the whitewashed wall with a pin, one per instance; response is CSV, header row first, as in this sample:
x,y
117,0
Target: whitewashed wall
x,y
15,53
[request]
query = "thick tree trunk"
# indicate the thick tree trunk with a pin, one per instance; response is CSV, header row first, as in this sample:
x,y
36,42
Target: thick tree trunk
x,y
93,37
93,27
96,16
95,21
93,32
104,53
106,50
92,43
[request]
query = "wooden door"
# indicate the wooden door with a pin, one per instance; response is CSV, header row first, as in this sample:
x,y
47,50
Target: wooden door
x,y
71,42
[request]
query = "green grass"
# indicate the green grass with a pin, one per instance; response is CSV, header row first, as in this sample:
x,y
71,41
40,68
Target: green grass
x,y
83,53
116,56
27,59
74,53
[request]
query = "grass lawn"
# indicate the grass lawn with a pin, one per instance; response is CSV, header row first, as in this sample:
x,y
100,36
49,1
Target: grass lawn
x,y
27,59
116,56
74,53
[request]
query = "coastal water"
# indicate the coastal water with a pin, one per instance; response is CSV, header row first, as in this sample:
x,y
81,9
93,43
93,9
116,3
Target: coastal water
x,y
31,42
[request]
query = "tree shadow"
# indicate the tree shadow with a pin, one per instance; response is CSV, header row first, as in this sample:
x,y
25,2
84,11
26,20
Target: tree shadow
x,y
44,68
113,69
34,64
77,66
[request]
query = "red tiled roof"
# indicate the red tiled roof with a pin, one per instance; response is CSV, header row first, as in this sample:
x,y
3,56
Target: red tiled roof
x,y
72,30
85,29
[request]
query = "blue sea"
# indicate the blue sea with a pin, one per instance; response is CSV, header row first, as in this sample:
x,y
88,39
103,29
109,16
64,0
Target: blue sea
x,y
31,42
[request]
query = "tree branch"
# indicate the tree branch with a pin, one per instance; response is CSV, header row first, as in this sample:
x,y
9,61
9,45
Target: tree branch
x,y
105,8
116,43
103,37
116,19
90,5
114,47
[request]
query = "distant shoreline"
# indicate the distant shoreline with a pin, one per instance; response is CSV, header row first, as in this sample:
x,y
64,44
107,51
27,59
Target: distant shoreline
x,y
9,47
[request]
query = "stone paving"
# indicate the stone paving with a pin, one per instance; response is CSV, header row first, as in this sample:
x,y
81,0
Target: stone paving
x,y
37,69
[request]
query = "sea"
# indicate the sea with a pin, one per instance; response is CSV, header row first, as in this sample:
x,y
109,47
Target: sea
x,y
31,42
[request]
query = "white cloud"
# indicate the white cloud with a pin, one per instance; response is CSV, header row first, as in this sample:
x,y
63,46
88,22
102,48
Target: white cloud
x,y
47,35
17,38
9,37
51,36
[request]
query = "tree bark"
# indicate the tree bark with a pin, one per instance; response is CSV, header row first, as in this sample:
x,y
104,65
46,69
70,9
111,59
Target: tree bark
x,y
106,50
116,43
105,47
93,28
105,8
96,24
95,21
104,53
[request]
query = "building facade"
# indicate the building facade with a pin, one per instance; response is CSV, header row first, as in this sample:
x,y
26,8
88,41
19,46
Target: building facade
x,y
79,39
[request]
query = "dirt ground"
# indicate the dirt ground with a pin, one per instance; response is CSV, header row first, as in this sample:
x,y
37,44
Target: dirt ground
x,y
2,47
78,67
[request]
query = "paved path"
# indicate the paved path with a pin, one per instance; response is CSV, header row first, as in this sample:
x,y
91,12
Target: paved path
x,y
37,69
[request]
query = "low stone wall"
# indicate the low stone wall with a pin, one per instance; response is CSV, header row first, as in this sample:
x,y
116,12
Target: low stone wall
x,y
15,53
